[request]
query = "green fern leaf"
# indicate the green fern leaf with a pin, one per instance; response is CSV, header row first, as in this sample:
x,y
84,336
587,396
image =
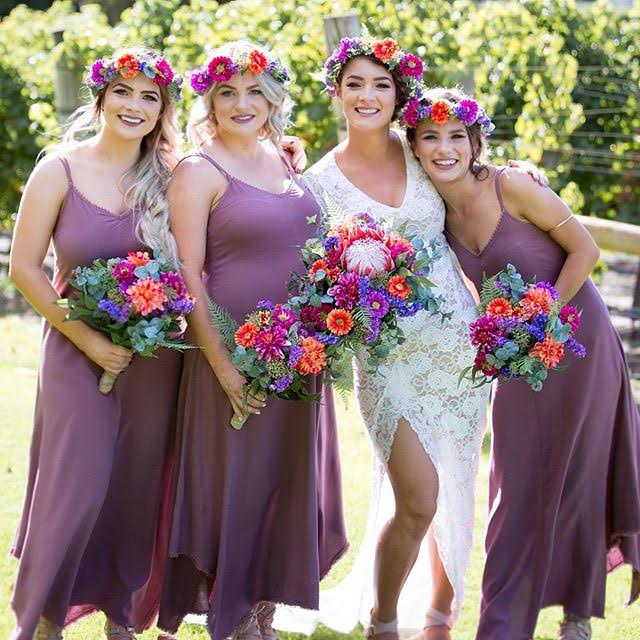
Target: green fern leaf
x,y
224,323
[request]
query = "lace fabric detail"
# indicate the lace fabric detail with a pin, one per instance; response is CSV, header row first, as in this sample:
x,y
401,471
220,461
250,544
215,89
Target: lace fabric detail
x,y
418,382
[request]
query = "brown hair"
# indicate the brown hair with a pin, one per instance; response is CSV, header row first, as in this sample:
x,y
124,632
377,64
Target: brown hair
x,y
479,147
402,92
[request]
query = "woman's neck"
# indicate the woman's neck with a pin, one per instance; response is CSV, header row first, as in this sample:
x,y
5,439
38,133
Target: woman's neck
x,y
460,195
247,147
115,150
367,145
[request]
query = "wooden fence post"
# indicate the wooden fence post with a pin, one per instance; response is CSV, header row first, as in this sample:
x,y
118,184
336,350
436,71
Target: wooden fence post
x,y
336,28
66,82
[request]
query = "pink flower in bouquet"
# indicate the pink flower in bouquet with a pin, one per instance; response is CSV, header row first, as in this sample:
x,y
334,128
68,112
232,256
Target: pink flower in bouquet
x,y
536,300
570,314
398,245
548,351
284,317
124,271
367,257
147,296
138,258
269,343
313,359
346,292
174,280
483,333
499,308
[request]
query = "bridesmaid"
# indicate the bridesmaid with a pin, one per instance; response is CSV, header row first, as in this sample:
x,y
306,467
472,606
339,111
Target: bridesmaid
x,y
565,485
97,475
258,514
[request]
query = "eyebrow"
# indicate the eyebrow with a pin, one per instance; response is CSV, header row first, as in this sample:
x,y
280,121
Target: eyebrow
x,y
355,77
228,86
130,88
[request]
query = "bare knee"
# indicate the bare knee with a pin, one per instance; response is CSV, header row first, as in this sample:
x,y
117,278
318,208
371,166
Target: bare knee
x,y
415,514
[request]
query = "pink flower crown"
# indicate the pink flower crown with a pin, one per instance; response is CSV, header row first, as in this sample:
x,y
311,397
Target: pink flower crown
x,y
222,68
129,65
386,51
466,110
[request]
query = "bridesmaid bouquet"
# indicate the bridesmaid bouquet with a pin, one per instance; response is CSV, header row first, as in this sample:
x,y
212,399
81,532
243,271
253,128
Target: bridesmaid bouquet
x,y
523,331
138,302
272,351
360,279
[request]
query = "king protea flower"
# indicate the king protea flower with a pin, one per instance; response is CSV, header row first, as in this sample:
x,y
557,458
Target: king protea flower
x,y
367,257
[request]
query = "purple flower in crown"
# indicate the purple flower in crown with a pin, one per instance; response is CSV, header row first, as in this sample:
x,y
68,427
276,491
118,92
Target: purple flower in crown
x,y
200,80
344,50
411,66
467,111
97,72
221,68
164,73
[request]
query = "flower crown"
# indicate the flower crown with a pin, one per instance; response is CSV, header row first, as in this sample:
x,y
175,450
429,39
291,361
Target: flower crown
x,y
386,51
441,111
221,68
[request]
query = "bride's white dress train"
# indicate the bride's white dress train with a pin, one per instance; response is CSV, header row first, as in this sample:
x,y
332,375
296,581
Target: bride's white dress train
x,y
418,382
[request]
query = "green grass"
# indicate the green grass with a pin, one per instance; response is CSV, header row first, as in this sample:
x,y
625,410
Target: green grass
x,y
18,361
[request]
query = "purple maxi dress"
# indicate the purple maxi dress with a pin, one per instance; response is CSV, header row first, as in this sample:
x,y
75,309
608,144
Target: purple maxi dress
x,y
258,512
98,472
565,473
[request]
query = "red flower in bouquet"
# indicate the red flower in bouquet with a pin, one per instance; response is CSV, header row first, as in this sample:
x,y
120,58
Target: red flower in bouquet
x,y
246,335
484,333
482,364
313,359
316,316
548,351
339,322
398,288
147,296
499,308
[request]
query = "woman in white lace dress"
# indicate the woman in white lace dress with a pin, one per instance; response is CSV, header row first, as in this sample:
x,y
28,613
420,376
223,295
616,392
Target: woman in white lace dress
x,y
426,430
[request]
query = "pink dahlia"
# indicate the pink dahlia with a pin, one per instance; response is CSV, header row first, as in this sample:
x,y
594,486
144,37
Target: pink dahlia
x,y
284,316
483,333
346,292
270,342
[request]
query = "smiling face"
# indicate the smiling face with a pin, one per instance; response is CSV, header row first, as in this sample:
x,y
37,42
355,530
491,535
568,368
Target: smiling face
x,y
240,106
368,94
131,107
444,150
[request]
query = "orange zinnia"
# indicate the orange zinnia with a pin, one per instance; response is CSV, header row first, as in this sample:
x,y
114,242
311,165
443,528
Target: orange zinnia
x,y
127,65
138,258
499,308
317,266
398,288
440,113
385,49
313,359
246,334
257,62
146,296
548,351
339,322
535,301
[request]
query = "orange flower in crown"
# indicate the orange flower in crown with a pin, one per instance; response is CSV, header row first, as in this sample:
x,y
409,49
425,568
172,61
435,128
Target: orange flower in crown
x,y
440,112
127,65
385,49
257,62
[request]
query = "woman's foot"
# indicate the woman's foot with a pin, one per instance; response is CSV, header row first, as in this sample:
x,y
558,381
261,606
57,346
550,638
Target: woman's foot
x,y
115,631
378,630
248,629
574,628
264,616
437,625
46,630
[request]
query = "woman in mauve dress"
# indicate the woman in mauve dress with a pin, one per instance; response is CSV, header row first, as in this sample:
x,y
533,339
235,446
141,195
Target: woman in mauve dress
x,y
257,518
88,539
565,475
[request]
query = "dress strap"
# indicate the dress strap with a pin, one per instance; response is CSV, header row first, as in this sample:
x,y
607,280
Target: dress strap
x,y
496,182
67,169
207,157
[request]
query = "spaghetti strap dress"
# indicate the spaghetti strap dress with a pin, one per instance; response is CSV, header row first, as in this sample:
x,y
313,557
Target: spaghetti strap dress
x,y
89,537
564,489
258,512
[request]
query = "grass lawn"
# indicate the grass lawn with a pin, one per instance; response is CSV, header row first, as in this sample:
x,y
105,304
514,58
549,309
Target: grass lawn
x,y
18,358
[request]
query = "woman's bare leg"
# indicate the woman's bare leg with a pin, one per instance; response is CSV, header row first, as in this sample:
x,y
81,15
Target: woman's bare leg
x,y
442,591
415,486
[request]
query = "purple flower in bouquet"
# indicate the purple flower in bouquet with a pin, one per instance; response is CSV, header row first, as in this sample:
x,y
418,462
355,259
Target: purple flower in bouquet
x,y
328,339
270,342
483,333
331,243
346,292
281,384
569,314
377,303
536,327
284,317
183,306
374,330
111,308
266,304
124,272
295,353
173,280
578,349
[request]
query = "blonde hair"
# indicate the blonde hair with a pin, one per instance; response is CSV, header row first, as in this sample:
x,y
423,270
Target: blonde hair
x,y
201,126
149,176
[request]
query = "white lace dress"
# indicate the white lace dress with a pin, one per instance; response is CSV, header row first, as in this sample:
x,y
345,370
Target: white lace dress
x,y
418,382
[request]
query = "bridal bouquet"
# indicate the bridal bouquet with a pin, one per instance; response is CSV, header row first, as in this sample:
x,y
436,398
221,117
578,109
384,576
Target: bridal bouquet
x,y
272,351
523,331
138,302
360,278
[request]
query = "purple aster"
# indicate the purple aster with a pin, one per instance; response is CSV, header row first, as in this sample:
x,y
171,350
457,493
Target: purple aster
x,y
295,353
183,306
281,384
270,342
328,339
346,291
377,303
266,304
200,80
110,307
578,349
467,111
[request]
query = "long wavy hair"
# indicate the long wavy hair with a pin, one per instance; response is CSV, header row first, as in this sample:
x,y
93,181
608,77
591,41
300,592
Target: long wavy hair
x,y
202,126
149,177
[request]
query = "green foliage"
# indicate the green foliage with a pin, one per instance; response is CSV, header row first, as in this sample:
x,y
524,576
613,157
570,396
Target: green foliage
x,y
224,323
561,81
